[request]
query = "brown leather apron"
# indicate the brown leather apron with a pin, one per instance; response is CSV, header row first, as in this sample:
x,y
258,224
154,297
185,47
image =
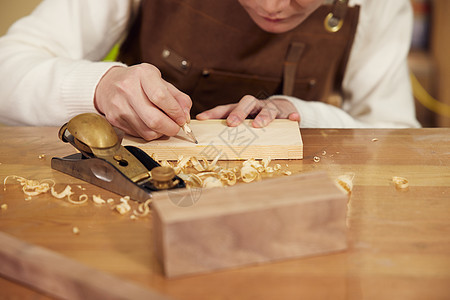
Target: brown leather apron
x,y
214,52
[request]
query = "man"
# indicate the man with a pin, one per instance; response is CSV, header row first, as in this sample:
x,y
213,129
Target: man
x,y
324,66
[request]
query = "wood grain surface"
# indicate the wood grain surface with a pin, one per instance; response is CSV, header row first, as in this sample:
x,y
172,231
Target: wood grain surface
x,y
280,140
399,240
249,224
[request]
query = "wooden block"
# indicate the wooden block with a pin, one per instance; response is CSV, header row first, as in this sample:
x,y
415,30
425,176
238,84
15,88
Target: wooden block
x,y
270,220
61,277
281,139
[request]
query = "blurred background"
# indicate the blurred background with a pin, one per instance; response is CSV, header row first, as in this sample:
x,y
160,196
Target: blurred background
x,y
11,10
429,61
429,57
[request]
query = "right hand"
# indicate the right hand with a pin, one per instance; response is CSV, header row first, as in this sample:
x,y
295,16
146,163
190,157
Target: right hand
x,y
137,100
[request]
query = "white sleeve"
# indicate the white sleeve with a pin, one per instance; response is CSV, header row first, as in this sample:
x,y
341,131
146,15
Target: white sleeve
x,y
49,61
376,86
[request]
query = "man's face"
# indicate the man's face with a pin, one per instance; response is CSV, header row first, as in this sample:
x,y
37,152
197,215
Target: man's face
x,y
279,16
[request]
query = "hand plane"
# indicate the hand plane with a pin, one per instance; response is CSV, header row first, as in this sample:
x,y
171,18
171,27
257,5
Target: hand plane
x,y
103,161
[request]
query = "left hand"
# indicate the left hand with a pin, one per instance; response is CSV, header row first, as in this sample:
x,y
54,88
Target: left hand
x,y
263,111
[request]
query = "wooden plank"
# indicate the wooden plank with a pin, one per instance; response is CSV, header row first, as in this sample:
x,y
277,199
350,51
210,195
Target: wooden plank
x,y
281,139
62,277
266,221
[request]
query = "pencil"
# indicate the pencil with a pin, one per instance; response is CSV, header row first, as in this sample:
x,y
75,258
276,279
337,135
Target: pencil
x,y
189,132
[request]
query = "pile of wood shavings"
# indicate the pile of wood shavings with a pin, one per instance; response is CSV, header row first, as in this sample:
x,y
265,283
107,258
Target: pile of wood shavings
x,y
195,172
202,173
33,188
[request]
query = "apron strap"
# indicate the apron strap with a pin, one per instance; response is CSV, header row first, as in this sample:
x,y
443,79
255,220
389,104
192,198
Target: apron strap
x,y
290,67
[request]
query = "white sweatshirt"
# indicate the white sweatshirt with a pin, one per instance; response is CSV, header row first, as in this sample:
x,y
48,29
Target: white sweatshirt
x,y
50,64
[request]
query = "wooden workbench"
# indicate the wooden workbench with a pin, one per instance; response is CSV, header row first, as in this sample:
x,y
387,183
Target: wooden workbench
x,y
399,239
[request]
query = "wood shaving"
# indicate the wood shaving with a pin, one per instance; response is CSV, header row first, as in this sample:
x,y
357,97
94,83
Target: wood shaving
x,y
81,199
316,159
345,183
124,207
196,164
227,176
208,174
98,200
191,180
211,182
253,163
65,193
269,170
75,230
165,163
265,162
400,183
34,187
212,166
181,164
201,173
374,140
42,156
31,187
249,173
143,209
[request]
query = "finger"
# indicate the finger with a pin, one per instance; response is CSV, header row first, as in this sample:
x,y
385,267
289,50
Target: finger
x,y
183,99
156,120
131,124
143,115
218,112
294,117
268,113
246,106
158,93
153,118
140,130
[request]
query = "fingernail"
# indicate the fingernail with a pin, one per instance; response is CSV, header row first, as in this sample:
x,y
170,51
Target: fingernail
x,y
233,121
259,122
201,116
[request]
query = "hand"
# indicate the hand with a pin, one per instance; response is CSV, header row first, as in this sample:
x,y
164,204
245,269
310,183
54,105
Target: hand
x,y
137,100
263,111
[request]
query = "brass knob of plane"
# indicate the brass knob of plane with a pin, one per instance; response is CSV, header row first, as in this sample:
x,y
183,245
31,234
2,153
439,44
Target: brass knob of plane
x,y
162,177
93,130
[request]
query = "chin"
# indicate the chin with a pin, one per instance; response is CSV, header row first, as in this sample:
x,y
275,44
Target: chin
x,y
275,28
